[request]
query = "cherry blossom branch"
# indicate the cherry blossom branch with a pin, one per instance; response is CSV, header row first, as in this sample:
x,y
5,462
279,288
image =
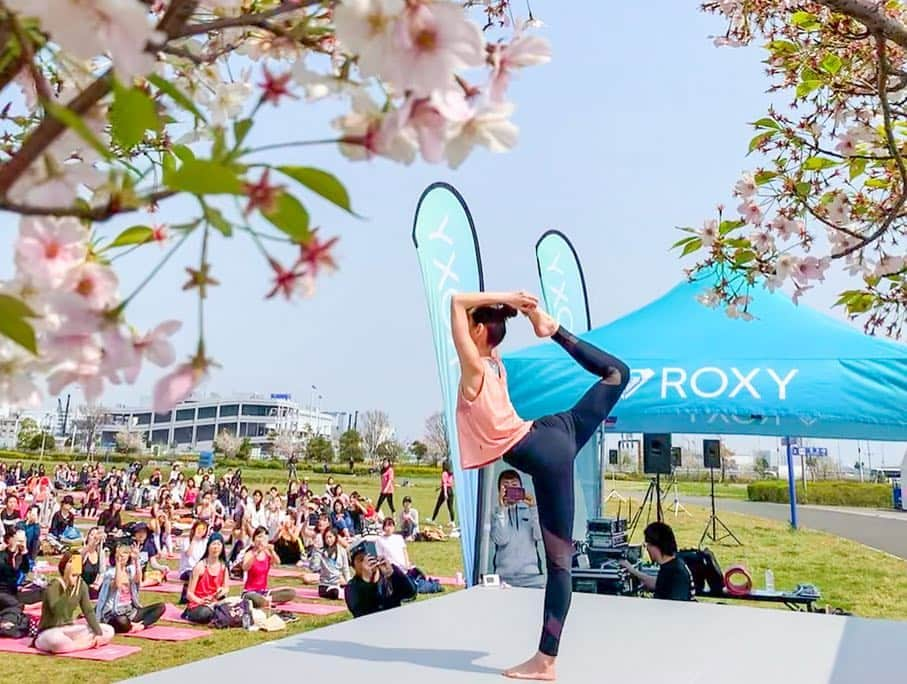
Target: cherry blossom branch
x,y
50,128
893,148
102,213
28,52
243,20
872,14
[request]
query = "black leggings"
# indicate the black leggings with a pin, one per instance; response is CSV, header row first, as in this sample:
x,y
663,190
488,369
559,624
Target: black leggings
x,y
201,615
22,598
147,615
390,501
327,592
450,504
547,453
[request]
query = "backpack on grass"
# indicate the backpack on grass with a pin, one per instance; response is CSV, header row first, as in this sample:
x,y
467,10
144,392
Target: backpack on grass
x,y
227,615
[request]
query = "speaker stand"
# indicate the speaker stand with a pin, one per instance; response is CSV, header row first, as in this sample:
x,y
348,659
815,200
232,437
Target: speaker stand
x,y
711,527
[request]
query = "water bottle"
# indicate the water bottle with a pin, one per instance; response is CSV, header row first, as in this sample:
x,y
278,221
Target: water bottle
x,y
459,579
769,580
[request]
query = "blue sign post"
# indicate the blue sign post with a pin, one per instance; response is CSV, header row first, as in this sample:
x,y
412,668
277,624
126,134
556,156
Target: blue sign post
x,y
791,485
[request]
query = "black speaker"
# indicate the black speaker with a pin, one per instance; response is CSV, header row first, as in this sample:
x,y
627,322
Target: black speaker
x,y
612,456
675,457
656,453
711,453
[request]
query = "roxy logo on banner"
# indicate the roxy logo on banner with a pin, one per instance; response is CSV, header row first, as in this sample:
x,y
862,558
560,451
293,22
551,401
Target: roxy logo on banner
x,y
558,301
447,283
714,382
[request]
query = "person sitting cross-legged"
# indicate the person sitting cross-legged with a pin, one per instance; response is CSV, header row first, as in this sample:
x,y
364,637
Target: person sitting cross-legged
x,y
208,584
57,632
332,565
256,564
377,584
674,581
118,599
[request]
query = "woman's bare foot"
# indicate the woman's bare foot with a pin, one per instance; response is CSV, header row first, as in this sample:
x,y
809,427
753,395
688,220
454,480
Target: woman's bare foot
x,y
542,323
539,667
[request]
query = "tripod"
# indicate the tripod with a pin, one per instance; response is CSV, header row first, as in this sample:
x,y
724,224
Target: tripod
x,y
677,506
653,496
714,521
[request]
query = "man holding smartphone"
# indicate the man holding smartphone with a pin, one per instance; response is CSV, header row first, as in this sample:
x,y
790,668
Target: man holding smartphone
x,y
377,585
516,533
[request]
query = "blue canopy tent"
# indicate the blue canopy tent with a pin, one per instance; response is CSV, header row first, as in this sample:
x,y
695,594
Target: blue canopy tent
x,y
790,372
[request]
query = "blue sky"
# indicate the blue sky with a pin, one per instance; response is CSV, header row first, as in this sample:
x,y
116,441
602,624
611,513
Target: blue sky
x,y
638,125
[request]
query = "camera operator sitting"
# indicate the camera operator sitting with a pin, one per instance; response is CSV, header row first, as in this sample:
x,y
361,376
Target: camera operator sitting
x,y
377,584
515,532
674,581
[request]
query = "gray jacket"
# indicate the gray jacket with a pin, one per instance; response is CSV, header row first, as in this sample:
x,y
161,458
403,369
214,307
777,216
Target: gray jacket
x,y
516,533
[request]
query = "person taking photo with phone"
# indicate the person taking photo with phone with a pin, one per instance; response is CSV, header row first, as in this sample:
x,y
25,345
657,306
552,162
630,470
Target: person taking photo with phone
x,y
516,533
377,583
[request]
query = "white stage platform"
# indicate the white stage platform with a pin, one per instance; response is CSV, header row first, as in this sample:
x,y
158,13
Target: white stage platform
x,y
470,636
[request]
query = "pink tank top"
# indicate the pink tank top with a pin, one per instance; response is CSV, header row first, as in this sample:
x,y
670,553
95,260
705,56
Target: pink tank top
x,y
488,426
257,575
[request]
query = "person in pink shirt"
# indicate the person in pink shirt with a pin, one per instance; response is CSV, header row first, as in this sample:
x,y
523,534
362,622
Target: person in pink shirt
x,y
387,486
489,428
445,493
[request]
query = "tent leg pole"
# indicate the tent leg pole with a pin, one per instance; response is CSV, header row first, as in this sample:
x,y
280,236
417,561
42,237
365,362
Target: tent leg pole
x,y
791,485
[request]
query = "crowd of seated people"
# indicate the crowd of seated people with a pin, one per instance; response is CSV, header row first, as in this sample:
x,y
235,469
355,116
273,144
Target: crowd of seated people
x,y
225,541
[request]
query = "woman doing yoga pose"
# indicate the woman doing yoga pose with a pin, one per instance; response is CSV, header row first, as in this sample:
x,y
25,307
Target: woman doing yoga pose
x,y
489,428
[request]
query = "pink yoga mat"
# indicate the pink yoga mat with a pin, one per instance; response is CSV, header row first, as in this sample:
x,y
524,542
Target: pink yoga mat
x,y
165,633
165,588
307,592
286,572
174,613
105,653
309,608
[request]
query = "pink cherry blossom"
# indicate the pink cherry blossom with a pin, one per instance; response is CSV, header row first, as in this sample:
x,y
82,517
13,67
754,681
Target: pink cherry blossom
x,y
95,283
799,291
762,241
838,210
710,298
367,132
365,28
82,366
17,386
433,41
177,385
126,351
786,228
87,28
785,266
489,126
889,265
810,268
523,51
709,232
746,186
750,212
48,248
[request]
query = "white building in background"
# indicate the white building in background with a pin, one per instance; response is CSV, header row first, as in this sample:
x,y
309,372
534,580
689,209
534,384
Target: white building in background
x,y
9,428
193,424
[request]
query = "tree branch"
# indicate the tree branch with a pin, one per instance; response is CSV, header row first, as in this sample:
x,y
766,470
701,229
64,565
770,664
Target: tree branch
x,y
256,19
871,13
50,128
892,147
101,213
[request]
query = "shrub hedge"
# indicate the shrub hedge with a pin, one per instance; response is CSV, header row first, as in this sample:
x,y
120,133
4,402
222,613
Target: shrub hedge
x,y
827,493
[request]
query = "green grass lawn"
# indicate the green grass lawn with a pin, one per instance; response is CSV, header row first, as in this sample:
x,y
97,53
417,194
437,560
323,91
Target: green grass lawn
x,y
850,576
725,490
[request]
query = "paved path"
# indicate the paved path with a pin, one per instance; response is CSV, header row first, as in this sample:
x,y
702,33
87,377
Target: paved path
x,y
884,530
